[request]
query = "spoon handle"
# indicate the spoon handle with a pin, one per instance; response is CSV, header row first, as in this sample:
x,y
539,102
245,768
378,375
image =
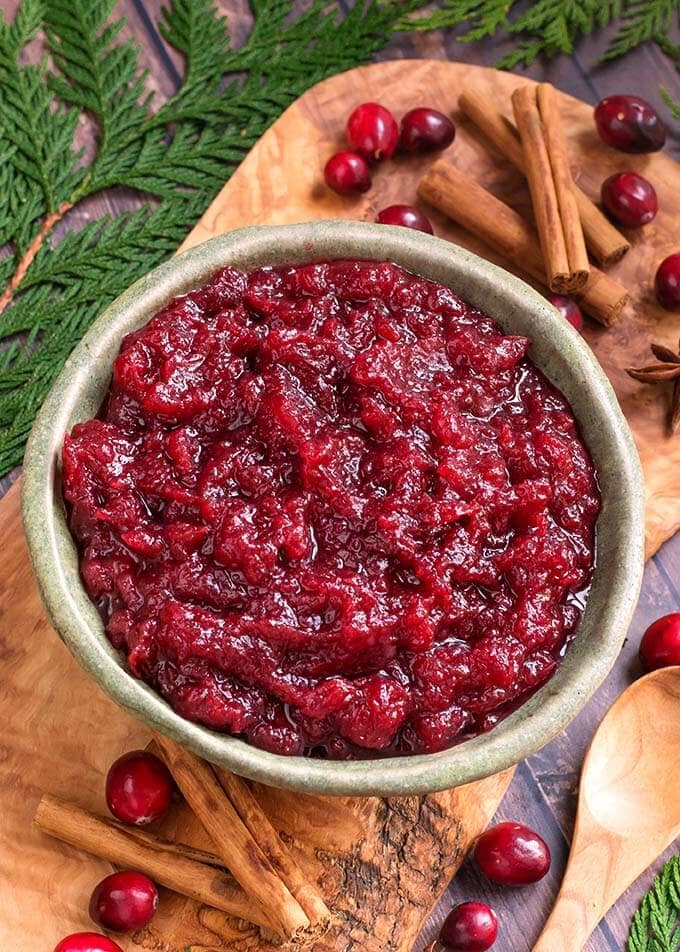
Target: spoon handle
x,y
584,896
602,865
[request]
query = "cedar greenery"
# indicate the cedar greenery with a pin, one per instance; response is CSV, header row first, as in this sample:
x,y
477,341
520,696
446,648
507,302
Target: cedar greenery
x,y
175,158
656,924
549,27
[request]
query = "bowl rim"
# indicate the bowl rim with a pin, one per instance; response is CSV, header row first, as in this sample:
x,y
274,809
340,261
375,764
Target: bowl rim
x,y
561,352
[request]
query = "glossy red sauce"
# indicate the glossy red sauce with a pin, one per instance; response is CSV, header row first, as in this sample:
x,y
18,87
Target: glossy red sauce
x,y
333,509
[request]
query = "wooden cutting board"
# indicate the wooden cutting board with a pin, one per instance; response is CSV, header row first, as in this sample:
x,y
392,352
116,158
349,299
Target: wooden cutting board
x,y
382,863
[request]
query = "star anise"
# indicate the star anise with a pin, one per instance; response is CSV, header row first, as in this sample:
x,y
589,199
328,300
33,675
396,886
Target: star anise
x,y
667,368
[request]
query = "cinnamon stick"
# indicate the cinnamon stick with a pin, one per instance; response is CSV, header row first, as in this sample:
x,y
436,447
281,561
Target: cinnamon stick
x,y
233,840
465,201
256,820
556,146
556,216
604,242
169,864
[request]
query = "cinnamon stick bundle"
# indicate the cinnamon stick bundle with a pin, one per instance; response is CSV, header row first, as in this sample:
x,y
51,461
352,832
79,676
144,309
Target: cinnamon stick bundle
x,y
257,821
604,242
173,865
465,201
239,849
552,191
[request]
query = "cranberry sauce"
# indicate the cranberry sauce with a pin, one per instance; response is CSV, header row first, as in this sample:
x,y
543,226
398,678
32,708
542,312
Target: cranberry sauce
x,y
333,509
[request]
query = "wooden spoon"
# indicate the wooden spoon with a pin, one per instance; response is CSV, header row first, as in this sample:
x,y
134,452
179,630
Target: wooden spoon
x,y
628,808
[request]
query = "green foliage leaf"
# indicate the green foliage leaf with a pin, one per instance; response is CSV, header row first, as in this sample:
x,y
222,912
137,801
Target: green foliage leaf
x,y
656,924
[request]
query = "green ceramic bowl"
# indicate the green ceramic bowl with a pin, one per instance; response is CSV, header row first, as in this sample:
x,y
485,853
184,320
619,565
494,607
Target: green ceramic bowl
x,y
557,349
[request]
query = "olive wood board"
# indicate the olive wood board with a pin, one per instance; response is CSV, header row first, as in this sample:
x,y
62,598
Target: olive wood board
x,y
381,863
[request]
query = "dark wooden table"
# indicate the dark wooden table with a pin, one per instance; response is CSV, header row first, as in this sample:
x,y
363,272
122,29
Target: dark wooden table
x,y
543,793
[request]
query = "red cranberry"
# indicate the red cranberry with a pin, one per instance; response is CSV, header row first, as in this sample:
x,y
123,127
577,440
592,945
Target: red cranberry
x,y
660,645
630,124
347,172
512,854
630,199
372,131
408,216
426,130
667,283
138,788
87,942
124,901
568,308
470,927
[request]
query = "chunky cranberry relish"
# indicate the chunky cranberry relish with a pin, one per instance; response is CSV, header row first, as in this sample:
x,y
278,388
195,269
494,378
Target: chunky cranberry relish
x,y
333,509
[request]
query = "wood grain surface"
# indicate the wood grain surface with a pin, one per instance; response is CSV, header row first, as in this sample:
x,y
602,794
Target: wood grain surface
x,y
40,700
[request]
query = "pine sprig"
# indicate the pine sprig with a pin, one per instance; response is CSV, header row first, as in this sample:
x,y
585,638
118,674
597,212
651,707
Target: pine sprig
x,y
656,924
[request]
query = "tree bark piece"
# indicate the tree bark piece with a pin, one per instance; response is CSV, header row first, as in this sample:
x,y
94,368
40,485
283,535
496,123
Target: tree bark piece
x,y
549,178
234,842
604,242
465,201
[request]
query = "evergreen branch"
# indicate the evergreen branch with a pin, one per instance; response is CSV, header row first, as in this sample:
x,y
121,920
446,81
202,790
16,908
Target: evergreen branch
x,y
100,77
181,155
656,924
673,106
554,28
40,168
548,27
672,50
29,255
642,21
483,17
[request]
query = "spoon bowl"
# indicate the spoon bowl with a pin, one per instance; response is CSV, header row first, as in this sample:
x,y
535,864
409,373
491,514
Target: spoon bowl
x,y
628,808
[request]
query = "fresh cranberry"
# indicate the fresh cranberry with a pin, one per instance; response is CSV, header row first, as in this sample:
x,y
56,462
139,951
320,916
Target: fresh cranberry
x,y
512,854
630,124
660,645
408,216
347,172
470,927
87,942
372,131
630,199
124,901
138,788
667,283
426,130
568,308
